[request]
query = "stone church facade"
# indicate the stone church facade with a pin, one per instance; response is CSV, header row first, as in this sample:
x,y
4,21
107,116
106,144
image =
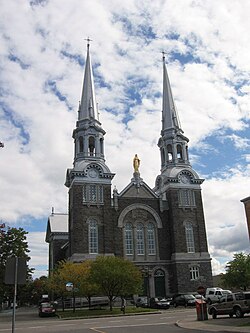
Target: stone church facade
x,y
161,230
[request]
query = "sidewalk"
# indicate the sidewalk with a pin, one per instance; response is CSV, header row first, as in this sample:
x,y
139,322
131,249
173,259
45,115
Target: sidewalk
x,y
217,325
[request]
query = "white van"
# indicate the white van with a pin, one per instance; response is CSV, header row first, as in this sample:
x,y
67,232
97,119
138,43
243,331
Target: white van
x,y
214,294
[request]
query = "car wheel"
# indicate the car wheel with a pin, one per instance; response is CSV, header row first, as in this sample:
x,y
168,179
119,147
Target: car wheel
x,y
214,313
238,312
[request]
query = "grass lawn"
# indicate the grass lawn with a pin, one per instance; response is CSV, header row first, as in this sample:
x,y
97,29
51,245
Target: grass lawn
x,y
86,313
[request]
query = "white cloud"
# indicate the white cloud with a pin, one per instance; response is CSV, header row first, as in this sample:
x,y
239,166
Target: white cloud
x,y
39,253
239,142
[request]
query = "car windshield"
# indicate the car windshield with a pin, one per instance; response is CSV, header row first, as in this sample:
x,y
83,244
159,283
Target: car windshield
x,y
189,297
46,305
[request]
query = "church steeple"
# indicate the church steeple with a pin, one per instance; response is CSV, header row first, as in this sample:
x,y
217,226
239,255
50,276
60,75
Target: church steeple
x,y
88,106
173,144
89,160
88,135
170,118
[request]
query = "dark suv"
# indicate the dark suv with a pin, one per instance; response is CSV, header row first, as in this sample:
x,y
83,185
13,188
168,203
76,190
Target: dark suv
x,y
183,299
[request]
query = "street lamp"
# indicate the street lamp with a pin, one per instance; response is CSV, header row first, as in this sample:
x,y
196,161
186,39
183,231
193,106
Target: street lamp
x,y
70,287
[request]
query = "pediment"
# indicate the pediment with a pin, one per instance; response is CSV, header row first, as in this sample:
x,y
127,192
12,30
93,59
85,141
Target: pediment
x,y
142,191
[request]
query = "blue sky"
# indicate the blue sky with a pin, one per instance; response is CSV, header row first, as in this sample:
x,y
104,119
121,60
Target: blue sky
x,y
43,51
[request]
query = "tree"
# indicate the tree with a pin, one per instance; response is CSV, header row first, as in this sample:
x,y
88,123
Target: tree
x,y
76,273
116,277
37,288
238,272
12,243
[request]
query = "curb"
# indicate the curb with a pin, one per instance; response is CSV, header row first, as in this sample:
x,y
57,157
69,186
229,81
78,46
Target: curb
x,y
200,325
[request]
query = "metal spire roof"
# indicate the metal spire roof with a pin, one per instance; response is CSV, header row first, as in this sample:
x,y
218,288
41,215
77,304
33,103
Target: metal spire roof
x,y
88,107
170,119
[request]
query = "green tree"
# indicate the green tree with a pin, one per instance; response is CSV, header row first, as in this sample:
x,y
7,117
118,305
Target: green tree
x,y
13,242
238,272
76,273
35,289
116,277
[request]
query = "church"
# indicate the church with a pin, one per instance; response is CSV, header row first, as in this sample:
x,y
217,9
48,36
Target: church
x,y
161,229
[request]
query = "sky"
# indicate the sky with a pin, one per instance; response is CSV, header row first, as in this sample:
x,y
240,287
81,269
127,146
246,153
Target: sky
x,y
42,57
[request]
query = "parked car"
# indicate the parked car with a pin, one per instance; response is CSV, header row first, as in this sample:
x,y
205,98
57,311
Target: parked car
x,y
213,295
183,299
159,303
46,309
231,304
142,302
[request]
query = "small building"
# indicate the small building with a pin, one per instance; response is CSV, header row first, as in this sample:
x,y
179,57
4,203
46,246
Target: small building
x,y
57,236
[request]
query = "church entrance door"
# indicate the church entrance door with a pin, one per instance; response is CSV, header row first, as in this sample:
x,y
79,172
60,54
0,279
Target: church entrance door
x,y
159,281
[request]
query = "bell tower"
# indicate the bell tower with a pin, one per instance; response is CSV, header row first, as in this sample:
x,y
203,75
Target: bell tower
x,y
178,187
89,181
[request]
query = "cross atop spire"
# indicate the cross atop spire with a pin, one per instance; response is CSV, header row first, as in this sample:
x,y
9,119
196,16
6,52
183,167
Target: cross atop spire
x,y
88,40
163,55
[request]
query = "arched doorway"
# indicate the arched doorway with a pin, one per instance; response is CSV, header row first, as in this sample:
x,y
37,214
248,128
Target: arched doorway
x,y
159,281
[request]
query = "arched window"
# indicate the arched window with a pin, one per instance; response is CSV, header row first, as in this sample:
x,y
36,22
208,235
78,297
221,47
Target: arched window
x,y
140,238
139,233
189,237
91,146
93,237
170,153
158,273
128,238
162,156
151,238
101,146
179,152
81,144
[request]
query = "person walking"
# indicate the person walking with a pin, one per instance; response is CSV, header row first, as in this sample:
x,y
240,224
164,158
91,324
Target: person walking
x,y
123,305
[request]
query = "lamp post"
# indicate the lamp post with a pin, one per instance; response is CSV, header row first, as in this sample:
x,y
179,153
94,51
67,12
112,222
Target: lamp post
x,y
70,287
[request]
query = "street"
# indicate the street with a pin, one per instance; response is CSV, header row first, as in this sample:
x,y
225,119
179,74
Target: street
x,y
157,323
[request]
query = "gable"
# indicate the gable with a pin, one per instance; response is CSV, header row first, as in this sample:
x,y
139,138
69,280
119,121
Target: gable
x,y
57,224
143,191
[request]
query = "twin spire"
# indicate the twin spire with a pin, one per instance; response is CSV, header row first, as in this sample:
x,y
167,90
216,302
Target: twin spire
x,y
88,106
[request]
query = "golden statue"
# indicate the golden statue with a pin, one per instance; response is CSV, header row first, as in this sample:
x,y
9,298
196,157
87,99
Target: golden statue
x,y
136,163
